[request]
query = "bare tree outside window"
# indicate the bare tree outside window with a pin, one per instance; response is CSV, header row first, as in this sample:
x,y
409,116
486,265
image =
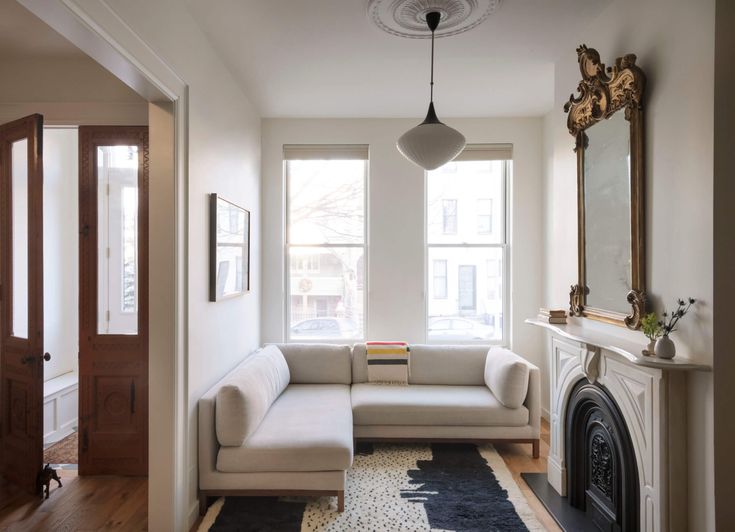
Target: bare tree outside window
x,y
326,248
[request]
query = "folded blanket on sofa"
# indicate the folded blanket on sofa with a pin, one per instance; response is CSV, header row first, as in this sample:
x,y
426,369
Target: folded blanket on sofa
x,y
387,362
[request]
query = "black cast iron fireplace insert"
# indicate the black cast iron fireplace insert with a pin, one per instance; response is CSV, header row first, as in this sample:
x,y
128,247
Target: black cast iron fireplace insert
x,y
602,476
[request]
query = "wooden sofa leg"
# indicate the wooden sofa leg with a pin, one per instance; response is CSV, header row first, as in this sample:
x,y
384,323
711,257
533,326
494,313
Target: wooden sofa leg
x,y
536,448
203,503
341,501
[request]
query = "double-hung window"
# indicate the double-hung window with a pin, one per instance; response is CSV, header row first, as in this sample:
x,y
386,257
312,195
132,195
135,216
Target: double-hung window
x,y
326,283
467,264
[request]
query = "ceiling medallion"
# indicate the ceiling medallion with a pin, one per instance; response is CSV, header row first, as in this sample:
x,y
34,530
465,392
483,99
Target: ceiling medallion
x,y
407,18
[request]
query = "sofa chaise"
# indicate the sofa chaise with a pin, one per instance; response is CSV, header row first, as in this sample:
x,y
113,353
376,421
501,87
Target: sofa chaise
x,y
284,421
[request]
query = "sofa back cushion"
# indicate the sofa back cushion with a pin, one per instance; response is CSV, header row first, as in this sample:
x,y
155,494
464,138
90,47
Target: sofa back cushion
x,y
506,374
459,365
318,363
246,395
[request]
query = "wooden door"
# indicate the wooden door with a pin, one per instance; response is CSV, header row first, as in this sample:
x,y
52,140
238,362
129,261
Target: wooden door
x,y
21,301
113,300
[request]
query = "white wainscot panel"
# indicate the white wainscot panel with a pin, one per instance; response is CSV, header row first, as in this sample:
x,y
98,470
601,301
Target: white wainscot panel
x,y
60,407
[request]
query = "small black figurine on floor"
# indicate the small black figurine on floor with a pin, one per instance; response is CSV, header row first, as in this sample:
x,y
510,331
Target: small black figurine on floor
x,y
46,476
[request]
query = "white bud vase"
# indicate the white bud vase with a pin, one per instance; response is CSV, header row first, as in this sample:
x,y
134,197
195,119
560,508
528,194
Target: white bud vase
x,y
650,348
665,347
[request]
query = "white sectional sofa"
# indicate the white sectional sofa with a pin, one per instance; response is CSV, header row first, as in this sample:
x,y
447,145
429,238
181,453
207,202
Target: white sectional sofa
x,y
283,422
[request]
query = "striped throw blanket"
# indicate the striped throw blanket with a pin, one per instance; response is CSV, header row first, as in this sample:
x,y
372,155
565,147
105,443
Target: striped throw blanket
x,y
387,362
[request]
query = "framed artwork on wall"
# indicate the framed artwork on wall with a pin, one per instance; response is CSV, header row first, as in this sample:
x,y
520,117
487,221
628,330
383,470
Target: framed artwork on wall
x,y
229,249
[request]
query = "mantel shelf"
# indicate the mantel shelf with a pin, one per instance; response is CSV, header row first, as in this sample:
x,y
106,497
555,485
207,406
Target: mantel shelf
x,y
630,350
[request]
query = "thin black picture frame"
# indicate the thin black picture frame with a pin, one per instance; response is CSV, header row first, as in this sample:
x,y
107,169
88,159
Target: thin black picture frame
x,y
216,281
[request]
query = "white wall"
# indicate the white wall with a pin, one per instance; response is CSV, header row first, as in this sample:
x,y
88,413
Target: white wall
x,y
224,157
60,250
67,91
674,42
396,222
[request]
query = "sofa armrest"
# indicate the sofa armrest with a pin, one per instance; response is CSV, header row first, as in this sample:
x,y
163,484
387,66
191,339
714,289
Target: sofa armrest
x,y
208,444
533,399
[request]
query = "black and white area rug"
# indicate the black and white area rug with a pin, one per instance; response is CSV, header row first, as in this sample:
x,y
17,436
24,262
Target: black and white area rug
x,y
406,487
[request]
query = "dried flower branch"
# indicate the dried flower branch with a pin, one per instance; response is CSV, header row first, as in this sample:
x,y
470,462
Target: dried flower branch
x,y
669,321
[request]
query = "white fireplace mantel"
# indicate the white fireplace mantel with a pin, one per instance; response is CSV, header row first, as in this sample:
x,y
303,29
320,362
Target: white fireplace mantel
x,y
629,349
651,395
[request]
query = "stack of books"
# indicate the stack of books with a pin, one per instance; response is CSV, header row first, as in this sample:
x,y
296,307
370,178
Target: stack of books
x,y
558,316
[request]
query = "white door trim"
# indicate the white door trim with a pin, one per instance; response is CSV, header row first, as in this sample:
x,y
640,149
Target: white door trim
x,y
95,28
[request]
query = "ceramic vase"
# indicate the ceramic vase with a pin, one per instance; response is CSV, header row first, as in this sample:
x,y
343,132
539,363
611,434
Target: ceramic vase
x,y
665,347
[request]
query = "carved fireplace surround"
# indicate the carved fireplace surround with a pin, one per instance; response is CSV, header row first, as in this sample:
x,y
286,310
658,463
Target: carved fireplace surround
x,y
651,396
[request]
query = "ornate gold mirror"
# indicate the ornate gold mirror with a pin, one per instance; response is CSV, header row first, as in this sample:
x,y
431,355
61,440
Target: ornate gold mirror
x,y
606,120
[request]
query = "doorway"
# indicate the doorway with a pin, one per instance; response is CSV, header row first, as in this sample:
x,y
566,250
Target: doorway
x,y
61,296
90,312
150,92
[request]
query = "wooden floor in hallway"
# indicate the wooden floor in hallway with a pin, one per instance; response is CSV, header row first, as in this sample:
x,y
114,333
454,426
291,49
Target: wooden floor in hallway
x,y
83,503
120,503
519,460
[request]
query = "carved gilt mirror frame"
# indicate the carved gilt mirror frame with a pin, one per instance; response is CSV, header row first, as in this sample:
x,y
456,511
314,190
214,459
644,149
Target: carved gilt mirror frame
x,y
602,93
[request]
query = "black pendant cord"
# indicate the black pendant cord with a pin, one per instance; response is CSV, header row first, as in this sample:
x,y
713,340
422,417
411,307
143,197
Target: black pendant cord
x,y
431,85
432,20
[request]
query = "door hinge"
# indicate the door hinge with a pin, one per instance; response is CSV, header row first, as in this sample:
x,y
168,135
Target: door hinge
x,y
108,189
108,252
107,314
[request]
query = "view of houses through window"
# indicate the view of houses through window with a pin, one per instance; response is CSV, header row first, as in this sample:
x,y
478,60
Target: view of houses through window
x,y
326,244
466,240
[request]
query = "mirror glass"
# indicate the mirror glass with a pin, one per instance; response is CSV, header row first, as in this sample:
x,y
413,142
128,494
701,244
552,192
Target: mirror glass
x,y
607,207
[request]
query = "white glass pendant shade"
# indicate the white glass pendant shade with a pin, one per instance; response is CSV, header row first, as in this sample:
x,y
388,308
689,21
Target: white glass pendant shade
x,y
431,144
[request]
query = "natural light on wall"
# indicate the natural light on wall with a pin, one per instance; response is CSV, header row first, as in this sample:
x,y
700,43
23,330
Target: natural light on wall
x,y
325,241
467,243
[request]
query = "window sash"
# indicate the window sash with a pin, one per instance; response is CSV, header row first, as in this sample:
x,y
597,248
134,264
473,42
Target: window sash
x,y
503,245
324,152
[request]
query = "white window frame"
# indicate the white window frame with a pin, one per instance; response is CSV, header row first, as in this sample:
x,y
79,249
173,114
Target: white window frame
x,y
329,152
504,246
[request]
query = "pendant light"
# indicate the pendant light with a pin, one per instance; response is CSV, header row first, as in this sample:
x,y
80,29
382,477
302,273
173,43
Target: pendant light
x,y
432,143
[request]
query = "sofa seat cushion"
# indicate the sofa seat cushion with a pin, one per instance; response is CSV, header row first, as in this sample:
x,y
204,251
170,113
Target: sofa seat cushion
x,y
417,404
308,428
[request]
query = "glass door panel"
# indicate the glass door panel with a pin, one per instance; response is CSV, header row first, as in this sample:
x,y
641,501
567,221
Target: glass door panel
x,y
19,187
117,239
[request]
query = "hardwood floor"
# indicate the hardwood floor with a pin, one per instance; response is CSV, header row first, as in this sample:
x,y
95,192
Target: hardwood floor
x,y
518,459
83,503
120,503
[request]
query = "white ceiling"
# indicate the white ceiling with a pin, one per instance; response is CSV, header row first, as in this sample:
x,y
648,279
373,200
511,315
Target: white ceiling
x,y
324,58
